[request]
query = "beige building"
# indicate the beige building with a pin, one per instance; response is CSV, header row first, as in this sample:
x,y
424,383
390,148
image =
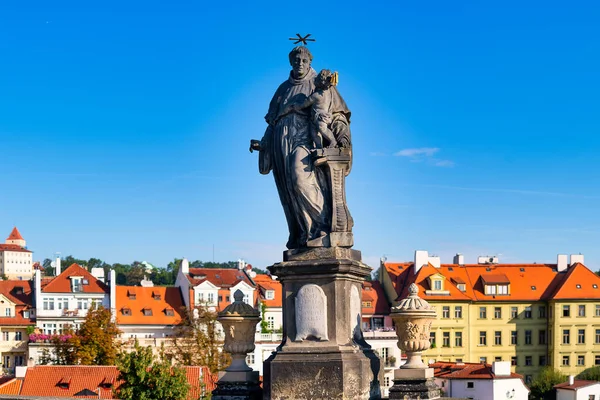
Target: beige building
x,y
15,260
16,317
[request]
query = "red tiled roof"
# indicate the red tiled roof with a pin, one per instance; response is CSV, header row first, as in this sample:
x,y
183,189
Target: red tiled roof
x,y
451,370
373,292
11,386
62,283
43,380
157,299
264,283
15,235
13,247
529,282
221,277
577,384
21,294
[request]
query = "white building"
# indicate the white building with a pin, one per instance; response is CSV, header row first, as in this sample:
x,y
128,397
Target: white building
x,y
479,381
576,389
15,260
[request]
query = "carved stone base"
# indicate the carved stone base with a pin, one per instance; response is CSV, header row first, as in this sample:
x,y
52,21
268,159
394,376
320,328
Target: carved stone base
x,y
414,384
238,386
323,355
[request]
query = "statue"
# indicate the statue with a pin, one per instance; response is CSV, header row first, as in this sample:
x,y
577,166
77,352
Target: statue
x,y
307,145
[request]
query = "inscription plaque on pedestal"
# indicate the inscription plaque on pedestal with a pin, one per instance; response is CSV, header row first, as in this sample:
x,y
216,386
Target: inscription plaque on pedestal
x,y
311,313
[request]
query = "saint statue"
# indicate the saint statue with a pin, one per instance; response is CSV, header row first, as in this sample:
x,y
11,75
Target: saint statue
x,y
308,106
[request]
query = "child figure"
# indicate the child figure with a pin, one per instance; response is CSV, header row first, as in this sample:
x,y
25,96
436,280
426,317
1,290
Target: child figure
x,y
320,101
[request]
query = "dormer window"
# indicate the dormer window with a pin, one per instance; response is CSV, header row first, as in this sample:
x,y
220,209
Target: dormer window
x,y
131,294
169,312
19,290
462,287
76,284
126,311
147,312
156,295
367,304
64,382
437,285
270,294
495,284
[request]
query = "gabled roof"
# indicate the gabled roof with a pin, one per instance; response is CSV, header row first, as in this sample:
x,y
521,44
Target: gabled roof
x,y
21,294
221,277
15,235
453,370
11,386
42,380
158,299
264,283
13,247
578,283
62,283
373,292
577,384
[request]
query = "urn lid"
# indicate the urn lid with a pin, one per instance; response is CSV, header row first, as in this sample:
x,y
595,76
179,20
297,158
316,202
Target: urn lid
x,y
238,308
413,302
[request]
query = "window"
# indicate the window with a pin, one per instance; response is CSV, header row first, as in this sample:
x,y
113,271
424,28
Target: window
x,y
566,337
542,337
592,397
528,312
25,314
565,360
131,294
581,310
497,358
497,312
542,312
82,304
458,339
126,311
445,312
597,360
470,385
211,298
483,312
458,312
250,359
581,336
513,360
246,298
502,289
7,312
542,361
566,311
386,381
367,304
437,285
513,337
581,361
270,294
597,336
527,337
445,339
156,295
482,359
528,361
597,310
48,304
490,289
18,335
271,322
76,284
528,379
514,312
462,287
169,312
497,338
6,362
147,312
458,360
19,360
482,338
432,339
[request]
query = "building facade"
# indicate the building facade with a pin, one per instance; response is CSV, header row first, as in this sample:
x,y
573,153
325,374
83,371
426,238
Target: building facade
x,y
15,260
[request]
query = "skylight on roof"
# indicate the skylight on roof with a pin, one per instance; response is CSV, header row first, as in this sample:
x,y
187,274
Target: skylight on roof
x,y
595,286
578,286
450,269
533,288
522,269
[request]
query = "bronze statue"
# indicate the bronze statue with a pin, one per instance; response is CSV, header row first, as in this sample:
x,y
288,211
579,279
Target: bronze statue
x,y
309,178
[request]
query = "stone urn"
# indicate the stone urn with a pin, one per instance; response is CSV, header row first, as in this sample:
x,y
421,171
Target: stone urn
x,y
413,317
239,325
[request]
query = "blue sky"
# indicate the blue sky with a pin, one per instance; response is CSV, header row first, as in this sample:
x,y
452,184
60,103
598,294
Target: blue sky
x,y
125,127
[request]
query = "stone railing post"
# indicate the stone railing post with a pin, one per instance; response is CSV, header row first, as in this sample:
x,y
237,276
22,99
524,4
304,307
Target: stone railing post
x,y
238,381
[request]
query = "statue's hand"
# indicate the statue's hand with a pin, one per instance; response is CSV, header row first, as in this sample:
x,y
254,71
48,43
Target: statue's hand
x,y
254,145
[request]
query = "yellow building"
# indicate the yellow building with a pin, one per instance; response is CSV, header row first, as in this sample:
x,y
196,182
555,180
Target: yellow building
x,y
15,318
530,314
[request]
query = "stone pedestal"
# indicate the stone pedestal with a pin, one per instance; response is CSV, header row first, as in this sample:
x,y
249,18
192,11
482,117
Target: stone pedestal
x,y
414,384
323,354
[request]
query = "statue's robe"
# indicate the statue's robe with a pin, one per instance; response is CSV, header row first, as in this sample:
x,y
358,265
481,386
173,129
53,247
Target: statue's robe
x,y
286,150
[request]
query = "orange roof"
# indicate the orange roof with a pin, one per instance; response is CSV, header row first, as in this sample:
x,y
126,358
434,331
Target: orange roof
x,y
20,293
62,283
577,384
13,247
373,292
43,380
221,277
451,370
165,305
15,235
527,282
264,283
11,386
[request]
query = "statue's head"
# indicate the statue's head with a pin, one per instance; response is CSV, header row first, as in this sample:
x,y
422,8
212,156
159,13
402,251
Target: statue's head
x,y
300,59
324,79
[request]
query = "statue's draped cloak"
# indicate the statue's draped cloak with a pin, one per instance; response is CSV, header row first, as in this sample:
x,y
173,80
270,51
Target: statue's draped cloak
x,y
286,150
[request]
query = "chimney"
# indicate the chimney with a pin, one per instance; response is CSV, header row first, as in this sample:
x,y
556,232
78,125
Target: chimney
x,y
421,258
185,266
98,273
571,380
112,285
576,258
561,262
57,269
241,264
459,259
501,368
435,261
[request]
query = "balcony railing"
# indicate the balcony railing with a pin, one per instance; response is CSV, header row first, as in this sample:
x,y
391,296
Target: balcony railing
x,y
384,333
70,313
268,337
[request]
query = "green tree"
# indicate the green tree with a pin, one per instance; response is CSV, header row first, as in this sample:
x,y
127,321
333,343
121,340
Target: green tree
x,y
97,335
590,374
197,340
145,377
542,387
135,274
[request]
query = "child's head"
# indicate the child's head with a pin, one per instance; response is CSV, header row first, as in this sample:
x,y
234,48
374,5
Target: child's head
x,y
324,79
